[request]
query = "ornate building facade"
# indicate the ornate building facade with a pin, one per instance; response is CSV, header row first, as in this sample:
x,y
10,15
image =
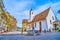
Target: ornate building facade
x,y
2,20
7,22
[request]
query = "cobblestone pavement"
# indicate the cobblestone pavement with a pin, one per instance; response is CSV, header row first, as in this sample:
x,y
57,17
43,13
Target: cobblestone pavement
x,y
42,36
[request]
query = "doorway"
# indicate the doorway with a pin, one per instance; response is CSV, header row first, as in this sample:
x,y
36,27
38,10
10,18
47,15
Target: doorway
x,y
40,27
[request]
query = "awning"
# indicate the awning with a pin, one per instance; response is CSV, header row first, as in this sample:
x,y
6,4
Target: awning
x,y
56,22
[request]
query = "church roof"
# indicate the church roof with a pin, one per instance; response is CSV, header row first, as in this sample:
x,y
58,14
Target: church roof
x,y
41,16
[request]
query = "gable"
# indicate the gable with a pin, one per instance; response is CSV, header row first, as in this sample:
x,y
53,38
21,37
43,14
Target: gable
x,y
51,15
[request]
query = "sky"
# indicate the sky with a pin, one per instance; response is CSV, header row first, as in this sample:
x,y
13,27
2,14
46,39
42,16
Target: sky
x,y
20,8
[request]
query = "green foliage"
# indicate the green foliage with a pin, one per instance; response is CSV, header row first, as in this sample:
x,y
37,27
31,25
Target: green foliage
x,y
18,28
56,28
59,28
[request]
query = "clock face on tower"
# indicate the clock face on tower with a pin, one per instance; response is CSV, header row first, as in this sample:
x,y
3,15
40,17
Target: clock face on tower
x,y
32,12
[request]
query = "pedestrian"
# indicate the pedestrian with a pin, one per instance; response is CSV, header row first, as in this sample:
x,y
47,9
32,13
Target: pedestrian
x,y
33,29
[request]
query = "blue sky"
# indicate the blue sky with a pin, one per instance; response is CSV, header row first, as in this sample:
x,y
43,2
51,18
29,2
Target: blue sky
x,y
20,8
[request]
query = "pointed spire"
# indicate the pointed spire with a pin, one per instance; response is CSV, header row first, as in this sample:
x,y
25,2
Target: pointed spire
x,y
31,9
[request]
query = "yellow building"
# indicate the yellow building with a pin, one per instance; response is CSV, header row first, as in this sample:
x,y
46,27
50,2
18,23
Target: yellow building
x,y
11,22
7,22
24,23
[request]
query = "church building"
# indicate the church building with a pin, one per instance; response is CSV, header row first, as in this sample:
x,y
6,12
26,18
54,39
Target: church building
x,y
42,21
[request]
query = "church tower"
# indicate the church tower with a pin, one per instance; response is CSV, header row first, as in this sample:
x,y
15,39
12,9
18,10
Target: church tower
x,y
31,15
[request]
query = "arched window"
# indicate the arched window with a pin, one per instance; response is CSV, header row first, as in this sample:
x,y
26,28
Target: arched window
x,y
32,12
52,17
0,23
50,22
2,17
35,24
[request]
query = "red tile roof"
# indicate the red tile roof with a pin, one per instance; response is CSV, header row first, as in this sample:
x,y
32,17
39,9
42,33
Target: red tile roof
x,y
41,16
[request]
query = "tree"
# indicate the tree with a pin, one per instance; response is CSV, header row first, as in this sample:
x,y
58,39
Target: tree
x,y
18,28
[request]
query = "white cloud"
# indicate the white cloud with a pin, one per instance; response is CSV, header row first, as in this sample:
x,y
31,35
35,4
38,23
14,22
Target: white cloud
x,y
20,6
55,5
17,6
42,8
25,12
18,9
20,16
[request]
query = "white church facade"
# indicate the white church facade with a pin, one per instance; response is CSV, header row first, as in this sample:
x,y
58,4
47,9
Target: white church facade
x,y
42,21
